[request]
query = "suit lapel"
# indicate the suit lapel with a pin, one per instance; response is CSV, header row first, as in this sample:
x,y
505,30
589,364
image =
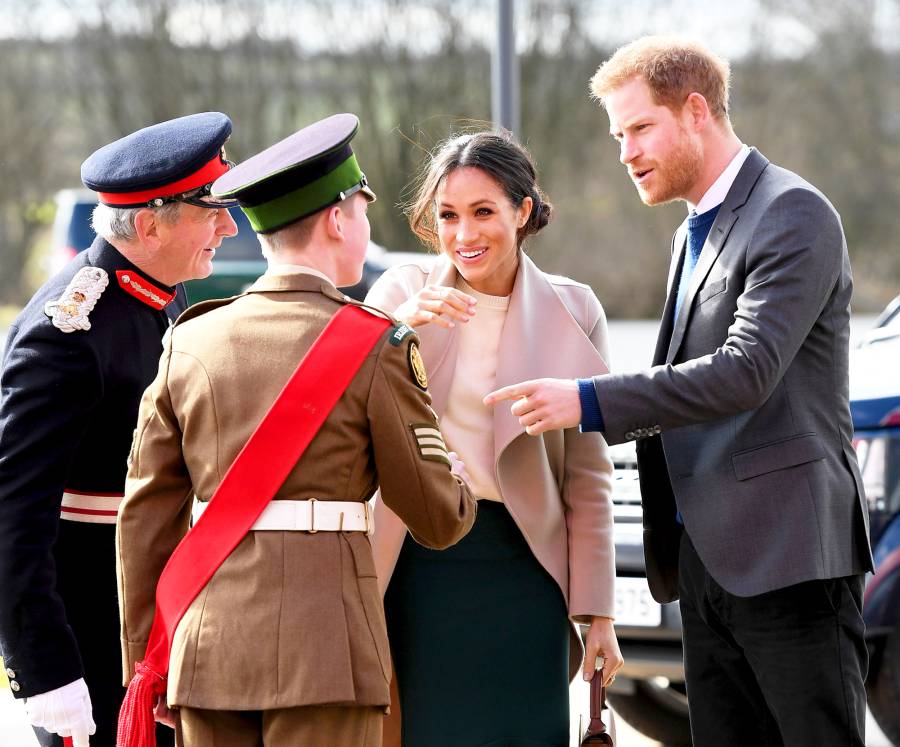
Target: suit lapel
x,y
728,214
679,243
664,335
540,338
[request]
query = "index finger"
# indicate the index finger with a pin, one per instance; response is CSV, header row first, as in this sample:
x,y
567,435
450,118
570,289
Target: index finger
x,y
513,391
465,298
454,298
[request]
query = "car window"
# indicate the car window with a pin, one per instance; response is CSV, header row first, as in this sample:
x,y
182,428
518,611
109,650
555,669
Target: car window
x,y
81,235
244,245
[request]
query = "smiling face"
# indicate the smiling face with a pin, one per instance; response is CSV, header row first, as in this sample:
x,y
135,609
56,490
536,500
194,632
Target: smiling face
x,y
477,226
190,243
664,158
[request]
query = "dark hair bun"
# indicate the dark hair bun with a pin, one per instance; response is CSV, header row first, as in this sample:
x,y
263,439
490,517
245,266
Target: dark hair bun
x,y
540,216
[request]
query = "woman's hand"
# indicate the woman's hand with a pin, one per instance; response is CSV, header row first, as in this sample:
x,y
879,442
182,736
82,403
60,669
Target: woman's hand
x,y
601,641
436,304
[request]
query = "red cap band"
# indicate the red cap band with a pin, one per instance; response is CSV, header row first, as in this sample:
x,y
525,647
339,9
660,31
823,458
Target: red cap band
x,y
207,174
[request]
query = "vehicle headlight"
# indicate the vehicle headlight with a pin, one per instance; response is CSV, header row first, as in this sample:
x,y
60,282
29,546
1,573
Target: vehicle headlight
x,y
872,453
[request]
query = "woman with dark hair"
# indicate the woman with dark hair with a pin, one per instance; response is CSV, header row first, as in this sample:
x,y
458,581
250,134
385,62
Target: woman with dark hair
x,y
482,634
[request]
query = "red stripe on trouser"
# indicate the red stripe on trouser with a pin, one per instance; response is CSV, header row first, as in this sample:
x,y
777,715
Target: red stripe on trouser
x,y
94,492
90,511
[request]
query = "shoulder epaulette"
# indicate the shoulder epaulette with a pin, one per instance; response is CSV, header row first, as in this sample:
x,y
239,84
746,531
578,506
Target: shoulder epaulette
x,y
374,310
201,307
70,311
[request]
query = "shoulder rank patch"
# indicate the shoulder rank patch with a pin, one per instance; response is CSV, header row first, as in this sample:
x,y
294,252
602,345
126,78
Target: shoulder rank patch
x,y
430,442
400,333
70,312
417,366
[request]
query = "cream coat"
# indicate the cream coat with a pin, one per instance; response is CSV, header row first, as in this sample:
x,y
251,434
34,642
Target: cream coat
x,y
557,486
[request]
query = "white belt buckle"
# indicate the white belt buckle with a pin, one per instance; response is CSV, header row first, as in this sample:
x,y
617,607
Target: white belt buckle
x,y
370,520
312,516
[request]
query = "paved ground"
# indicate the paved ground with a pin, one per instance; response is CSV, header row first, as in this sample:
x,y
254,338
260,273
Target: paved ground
x,y
15,733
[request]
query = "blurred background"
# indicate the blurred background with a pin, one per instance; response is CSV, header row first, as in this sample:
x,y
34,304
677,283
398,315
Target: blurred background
x,y
816,88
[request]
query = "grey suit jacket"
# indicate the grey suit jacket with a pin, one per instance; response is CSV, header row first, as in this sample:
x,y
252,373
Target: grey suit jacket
x,y
744,417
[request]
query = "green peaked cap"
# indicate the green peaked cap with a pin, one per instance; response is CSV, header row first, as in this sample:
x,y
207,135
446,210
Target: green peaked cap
x,y
298,176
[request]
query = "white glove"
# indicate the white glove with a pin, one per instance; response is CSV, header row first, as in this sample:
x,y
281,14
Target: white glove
x,y
65,711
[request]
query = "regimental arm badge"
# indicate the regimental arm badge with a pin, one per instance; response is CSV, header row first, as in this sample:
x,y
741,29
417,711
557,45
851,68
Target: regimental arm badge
x,y
417,366
70,312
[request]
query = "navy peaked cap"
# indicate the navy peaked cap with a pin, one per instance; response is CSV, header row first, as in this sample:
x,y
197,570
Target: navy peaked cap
x,y
159,162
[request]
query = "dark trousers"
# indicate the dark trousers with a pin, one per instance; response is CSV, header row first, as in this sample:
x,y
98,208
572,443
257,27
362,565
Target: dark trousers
x,y
85,556
785,668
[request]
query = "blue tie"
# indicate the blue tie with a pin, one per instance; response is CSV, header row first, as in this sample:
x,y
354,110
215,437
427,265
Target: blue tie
x,y
698,230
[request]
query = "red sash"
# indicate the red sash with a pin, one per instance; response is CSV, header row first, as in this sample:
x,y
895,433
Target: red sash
x,y
256,475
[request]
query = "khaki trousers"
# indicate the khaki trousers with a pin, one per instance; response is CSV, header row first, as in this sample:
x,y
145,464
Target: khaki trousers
x,y
305,726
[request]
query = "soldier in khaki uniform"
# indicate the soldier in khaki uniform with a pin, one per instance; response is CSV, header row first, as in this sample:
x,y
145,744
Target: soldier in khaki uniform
x,y
287,644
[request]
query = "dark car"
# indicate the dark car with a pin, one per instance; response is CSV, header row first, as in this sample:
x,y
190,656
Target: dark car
x,y
649,691
238,261
875,405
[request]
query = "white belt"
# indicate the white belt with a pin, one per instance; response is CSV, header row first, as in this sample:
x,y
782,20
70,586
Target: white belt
x,y
90,508
308,516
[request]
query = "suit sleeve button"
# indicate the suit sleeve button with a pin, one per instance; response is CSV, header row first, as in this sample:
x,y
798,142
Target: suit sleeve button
x,y
11,674
14,686
629,436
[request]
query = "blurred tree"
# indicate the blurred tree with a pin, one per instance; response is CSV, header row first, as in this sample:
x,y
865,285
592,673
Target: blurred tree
x,y
30,99
816,88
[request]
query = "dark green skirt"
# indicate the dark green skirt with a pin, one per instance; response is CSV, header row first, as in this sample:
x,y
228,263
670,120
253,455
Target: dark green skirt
x,y
480,638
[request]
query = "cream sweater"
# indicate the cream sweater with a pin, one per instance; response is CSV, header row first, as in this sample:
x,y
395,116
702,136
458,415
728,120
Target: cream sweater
x,y
467,425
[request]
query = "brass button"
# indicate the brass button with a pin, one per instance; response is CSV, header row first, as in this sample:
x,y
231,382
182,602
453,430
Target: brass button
x,y
14,686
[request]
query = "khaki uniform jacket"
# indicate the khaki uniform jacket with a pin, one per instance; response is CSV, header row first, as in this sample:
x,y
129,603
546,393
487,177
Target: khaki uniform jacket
x,y
290,618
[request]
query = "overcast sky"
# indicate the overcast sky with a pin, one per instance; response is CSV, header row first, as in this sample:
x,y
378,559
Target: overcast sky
x,y
729,27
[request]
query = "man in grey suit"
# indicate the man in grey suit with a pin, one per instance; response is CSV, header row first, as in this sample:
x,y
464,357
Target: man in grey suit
x,y
754,511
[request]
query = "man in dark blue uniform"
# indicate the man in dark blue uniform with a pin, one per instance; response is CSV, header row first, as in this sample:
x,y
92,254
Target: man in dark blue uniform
x,y
77,361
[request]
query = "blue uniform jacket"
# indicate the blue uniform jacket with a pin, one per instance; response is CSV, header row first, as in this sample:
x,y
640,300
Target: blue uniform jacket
x,y
68,411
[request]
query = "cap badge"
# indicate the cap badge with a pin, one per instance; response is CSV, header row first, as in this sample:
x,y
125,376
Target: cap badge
x,y
70,312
